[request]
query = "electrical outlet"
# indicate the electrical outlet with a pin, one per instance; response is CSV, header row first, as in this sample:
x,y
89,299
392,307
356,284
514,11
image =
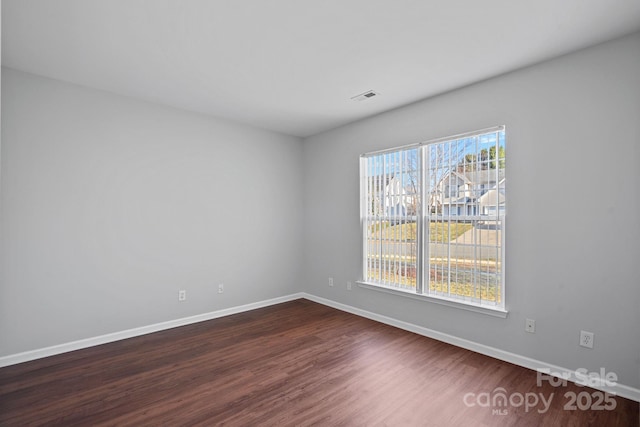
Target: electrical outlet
x,y
182,295
586,339
221,288
348,286
530,326
330,281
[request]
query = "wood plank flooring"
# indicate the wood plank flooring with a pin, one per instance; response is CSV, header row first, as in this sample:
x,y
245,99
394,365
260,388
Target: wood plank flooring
x,y
292,364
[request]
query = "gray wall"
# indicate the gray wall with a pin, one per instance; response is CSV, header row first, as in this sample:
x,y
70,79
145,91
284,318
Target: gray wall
x,y
573,188
110,205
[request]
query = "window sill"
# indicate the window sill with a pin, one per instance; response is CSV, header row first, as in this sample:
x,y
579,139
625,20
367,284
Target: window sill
x,y
496,312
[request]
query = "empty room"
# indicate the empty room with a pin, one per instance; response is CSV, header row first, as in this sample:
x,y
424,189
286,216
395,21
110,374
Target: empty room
x,y
332,213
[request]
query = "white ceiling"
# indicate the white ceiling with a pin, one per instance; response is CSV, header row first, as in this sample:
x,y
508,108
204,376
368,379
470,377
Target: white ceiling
x,y
292,65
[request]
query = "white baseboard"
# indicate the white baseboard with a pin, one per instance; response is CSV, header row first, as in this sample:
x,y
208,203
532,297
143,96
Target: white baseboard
x,y
135,332
619,389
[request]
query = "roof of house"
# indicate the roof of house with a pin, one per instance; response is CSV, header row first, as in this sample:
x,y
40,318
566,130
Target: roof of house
x,y
486,176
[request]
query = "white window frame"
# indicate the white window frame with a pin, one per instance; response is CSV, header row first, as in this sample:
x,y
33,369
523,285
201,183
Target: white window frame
x,y
423,218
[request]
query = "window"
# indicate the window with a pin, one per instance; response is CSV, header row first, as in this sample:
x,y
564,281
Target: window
x,y
433,218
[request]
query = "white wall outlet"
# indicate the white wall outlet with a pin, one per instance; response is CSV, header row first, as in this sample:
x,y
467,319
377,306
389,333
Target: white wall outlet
x,y
330,281
221,288
182,295
348,286
586,339
530,326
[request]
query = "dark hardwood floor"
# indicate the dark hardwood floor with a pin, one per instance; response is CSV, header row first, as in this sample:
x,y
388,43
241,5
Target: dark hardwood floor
x,y
297,363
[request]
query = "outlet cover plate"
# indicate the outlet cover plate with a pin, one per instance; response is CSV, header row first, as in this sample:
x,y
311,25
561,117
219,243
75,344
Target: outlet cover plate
x,y
586,339
530,326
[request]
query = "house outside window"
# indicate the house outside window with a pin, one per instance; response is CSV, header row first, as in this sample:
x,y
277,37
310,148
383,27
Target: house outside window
x,y
433,218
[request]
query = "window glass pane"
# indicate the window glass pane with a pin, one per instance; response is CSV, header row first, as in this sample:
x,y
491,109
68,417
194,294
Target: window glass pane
x,y
467,201
392,201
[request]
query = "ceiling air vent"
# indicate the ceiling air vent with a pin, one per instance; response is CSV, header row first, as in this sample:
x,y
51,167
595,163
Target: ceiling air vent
x,y
366,95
